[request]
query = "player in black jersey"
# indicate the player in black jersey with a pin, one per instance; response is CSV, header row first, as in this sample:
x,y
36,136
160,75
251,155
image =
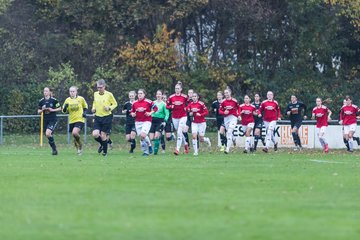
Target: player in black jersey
x,y
48,106
296,111
219,121
258,123
130,129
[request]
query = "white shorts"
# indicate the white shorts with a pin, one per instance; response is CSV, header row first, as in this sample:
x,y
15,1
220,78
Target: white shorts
x,y
321,131
245,127
179,122
142,127
349,128
198,128
270,125
230,122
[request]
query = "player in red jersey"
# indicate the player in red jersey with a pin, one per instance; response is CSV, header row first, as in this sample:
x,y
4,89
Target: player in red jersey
x,y
270,111
198,110
229,108
142,109
177,104
247,112
322,114
348,120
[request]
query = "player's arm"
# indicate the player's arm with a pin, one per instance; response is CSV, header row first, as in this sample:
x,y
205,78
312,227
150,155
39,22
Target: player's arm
x,y
305,109
278,112
113,103
329,114
125,109
57,107
85,107
288,110
169,104
205,111
93,109
167,113
341,116
40,108
65,107
260,110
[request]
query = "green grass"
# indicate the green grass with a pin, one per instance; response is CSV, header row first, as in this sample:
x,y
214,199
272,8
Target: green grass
x,y
212,196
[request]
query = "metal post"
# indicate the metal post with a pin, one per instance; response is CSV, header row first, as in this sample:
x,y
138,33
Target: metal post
x,y
85,130
68,131
1,129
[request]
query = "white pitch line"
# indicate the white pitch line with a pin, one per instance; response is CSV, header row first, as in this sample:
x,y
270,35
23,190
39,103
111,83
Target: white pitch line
x,y
323,161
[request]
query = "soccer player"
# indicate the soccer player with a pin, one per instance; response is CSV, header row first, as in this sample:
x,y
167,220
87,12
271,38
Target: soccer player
x,y
348,120
103,105
159,118
229,108
48,106
295,110
219,121
247,112
77,107
346,142
322,114
189,118
141,110
130,129
258,124
270,111
198,110
176,103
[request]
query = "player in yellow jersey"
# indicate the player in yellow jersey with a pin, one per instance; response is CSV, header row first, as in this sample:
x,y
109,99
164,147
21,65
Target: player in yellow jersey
x,y
77,107
103,105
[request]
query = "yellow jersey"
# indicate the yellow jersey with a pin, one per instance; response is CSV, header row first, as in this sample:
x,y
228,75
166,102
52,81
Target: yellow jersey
x,y
76,108
101,101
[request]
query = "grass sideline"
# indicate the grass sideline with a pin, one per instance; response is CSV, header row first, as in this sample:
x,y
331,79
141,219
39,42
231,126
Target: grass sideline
x,y
213,196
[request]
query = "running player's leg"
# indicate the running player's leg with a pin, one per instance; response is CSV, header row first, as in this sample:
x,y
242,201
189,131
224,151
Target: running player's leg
x,y
194,132
50,127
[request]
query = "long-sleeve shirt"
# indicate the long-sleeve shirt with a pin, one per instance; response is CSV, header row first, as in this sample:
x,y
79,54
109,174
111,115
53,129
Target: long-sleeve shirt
x,y
198,107
162,112
103,100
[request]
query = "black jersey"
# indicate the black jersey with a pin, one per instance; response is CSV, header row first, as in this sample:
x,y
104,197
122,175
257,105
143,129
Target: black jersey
x,y
295,110
257,106
129,119
216,106
49,103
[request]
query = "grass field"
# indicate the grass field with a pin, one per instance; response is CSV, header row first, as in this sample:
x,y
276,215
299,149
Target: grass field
x,y
212,196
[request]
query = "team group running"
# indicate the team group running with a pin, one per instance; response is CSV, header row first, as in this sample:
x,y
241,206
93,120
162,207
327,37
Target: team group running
x,y
155,121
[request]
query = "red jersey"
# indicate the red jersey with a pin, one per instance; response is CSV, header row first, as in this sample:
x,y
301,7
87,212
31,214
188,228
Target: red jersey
x,y
271,110
321,116
177,105
140,107
247,113
198,107
348,114
231,105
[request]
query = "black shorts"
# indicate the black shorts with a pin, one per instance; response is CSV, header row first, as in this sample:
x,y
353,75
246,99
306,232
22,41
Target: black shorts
x,y
296,124
169,126
220,123
156,125
188,121
50,124
130,127
103,124
76,125
259,124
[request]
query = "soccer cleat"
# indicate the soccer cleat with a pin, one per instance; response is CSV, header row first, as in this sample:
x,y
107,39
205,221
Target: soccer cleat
x,y
186,146
252,150
176,152
131,151
100,149
79,152
226,152
222,148
326,148
145,154
196,154
104,154
275,147
54,152
150,150
245,151
265,150
163,151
